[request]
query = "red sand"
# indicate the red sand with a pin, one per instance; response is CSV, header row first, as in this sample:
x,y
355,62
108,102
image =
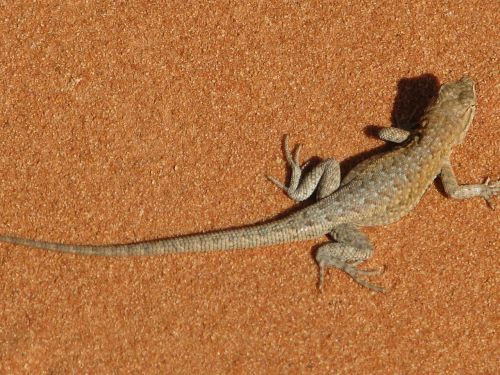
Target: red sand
x,y
131,122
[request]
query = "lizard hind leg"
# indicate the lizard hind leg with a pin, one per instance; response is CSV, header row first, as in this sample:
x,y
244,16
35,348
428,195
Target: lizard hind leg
x,y
350,249
323,179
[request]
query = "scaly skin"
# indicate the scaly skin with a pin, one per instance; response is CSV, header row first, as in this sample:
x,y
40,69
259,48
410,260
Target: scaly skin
x,y
378,191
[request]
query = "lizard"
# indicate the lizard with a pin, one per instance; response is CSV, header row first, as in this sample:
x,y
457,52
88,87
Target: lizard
x,y
378,191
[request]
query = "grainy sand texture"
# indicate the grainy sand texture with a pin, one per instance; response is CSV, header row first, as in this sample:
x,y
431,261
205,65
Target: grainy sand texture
x,y
128,121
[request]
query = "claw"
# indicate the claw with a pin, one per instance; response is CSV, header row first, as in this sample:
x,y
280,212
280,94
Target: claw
x,y
369,285
371,272
294,163
296,158
355,274
292,159
321,276
490,203
276,182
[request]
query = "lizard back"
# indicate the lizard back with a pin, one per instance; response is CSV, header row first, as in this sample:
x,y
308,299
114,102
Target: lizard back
x,y
382,189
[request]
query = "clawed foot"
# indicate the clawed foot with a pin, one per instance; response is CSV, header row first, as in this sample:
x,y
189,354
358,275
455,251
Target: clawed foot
x,y
490,189
294,163
354,272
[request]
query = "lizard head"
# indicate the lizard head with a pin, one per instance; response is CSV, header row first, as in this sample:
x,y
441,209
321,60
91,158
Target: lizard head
x,y
458,99
462,90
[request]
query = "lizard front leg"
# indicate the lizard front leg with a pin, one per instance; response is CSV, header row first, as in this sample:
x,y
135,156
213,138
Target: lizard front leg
x,y
323,179
350,249
399,133
487,190
394,135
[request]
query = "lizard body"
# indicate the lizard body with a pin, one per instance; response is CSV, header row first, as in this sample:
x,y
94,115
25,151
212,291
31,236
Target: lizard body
x,y
378,191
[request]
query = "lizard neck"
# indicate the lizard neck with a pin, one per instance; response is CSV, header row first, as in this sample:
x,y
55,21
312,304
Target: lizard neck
x,y
442,130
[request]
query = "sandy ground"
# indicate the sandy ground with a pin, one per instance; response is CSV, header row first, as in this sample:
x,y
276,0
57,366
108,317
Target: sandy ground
x,y
121,123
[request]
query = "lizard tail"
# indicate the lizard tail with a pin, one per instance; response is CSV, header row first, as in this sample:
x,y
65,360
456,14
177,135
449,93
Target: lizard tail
x,y
279,231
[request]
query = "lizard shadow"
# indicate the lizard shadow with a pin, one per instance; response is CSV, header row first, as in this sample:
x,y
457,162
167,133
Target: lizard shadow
x,y
413,96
